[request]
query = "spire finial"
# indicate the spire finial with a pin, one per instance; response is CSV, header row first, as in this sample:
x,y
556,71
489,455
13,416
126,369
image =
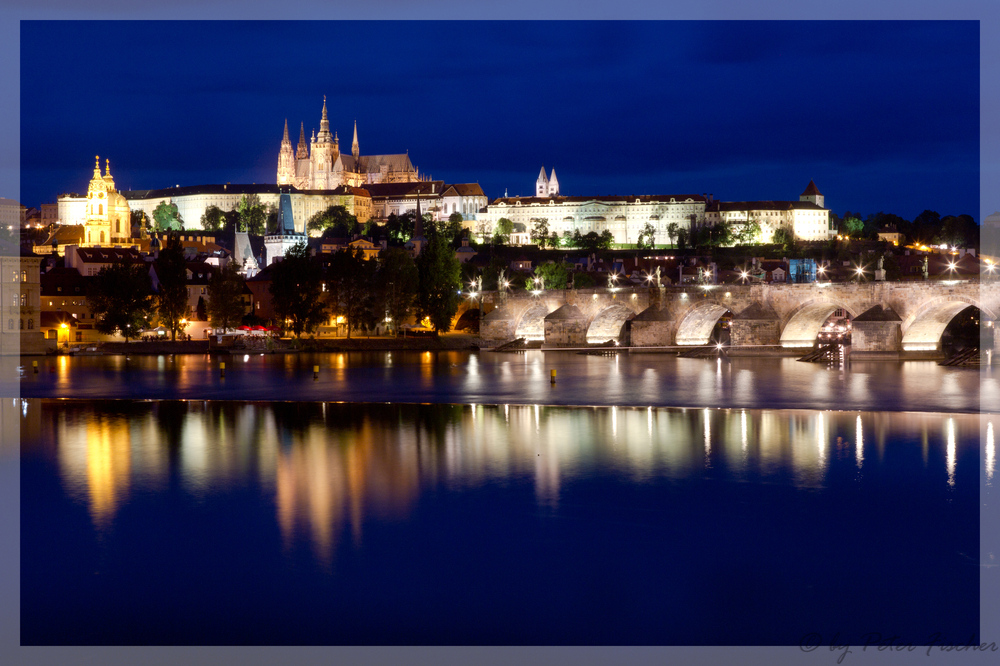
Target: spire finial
x,y
107,167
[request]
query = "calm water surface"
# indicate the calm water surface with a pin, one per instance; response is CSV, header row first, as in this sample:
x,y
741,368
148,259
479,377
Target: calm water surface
x,y
484,377
233,522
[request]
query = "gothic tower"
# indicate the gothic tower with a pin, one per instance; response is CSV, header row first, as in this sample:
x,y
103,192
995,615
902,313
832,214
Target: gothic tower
x,y
286,160
322,153
553,184
355,151
542,184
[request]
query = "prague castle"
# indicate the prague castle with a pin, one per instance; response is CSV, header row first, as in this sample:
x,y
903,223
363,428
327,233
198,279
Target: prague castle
x,y
321,165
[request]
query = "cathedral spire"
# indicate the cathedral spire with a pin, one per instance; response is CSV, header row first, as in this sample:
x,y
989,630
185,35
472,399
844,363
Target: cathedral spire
x,y
97,166
324,123
302,152
355,151
284,138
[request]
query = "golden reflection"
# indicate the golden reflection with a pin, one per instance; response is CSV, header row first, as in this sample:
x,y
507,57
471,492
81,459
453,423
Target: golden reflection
x,y
332,468
951,452
859,446
743,431
990,452
708,436
95,461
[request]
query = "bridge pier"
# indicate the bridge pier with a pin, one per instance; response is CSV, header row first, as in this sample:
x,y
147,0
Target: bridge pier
x,y
566,327
876,333
757,325
653,327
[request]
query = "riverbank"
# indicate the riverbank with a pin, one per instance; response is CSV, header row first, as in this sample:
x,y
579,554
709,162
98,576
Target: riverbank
x,y
447,342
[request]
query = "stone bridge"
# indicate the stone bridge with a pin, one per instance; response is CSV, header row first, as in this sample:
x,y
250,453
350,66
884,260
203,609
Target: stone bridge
x,y
888,316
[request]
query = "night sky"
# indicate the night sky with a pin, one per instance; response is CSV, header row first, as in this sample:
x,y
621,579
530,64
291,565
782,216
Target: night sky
x,y
883,115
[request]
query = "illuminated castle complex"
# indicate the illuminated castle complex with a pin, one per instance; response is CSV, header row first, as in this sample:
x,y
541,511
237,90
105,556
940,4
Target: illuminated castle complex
x,y
321,165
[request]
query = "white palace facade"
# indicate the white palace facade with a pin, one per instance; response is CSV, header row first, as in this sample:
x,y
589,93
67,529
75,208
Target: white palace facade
x,y
626,216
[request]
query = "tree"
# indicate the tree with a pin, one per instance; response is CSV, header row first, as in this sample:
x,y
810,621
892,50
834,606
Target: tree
x,y
452,230
350,279
439,281
400,227
647,237
540,231
167,218
554,275
672,230
171,273
296,289
784,236
225,297
502,234
396,285
853,226
120,298
213,219
252,214
554,239
748,233
484,230
607,239
335,218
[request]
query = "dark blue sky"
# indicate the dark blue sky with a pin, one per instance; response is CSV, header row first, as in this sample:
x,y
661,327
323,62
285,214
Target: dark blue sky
x,y
883,115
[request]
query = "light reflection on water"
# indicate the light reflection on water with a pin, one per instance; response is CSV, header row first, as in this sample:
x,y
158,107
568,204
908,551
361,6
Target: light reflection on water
x,y
636,379
330,468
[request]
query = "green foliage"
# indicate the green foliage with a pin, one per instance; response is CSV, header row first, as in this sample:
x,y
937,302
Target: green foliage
x,y
396,285
672,231
172,296
349,282
452,229
554,275
784,236
607,239
439,283
540,232
166,217
213,219
400,227
582,280
501,235
225,297
647,237
853,226
251,214
120,298
747,233
296,290
336,220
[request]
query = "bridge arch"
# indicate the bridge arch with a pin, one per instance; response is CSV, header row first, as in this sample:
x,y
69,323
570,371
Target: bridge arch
x,y
531,325
698,323
923,328
608,323
801,329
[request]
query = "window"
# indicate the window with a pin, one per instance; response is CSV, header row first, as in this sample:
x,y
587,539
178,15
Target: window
x,y
22,324
31,324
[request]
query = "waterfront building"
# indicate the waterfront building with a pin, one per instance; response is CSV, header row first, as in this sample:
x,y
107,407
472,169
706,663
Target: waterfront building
x,y
20,292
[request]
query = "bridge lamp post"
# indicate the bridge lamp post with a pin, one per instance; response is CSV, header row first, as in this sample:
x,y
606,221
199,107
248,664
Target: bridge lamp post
x,y
613,282
990,267
952,266
860,272
821,269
